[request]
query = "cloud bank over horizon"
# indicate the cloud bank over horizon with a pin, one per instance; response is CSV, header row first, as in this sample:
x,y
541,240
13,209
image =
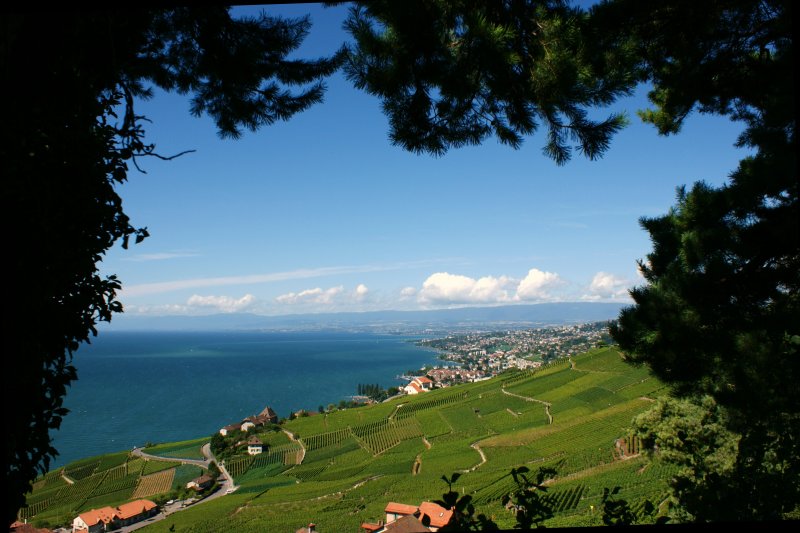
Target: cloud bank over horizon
x,y
438,290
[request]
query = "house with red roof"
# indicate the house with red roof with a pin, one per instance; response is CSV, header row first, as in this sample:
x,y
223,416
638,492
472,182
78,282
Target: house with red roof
x,y
437,516
94,520
135,511
423,382
418,384
107,518
404,518
397,510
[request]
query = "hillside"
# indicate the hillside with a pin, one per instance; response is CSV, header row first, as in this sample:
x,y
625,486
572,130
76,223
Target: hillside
x,y
569,416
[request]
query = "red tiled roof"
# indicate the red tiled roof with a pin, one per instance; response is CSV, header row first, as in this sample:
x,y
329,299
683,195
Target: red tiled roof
x,y
439,515
414,386
370,526
94,516
423,379
407,524
400,508
130,509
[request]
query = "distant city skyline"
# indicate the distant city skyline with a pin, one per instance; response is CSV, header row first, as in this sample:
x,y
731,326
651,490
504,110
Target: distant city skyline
x,y
322,214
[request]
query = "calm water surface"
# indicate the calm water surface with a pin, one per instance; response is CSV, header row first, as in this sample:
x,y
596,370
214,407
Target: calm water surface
x,y
135,387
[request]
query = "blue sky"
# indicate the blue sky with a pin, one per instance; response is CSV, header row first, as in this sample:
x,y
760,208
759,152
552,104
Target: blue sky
x,y
321,213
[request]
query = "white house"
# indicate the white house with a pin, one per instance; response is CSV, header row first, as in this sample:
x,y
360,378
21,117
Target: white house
x,y
418,384
94,520
254,446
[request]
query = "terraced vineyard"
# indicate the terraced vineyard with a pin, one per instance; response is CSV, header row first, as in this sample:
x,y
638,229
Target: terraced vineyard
x,y
572,416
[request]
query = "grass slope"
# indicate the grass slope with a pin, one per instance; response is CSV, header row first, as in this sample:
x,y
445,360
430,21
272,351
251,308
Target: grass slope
x,y
567,416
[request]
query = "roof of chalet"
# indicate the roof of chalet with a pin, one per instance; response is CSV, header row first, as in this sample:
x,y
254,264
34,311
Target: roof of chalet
x,y
94,516
268,412
231,427
254,441
137,507
371,526
406,524
423,379
400,508
439,515
205,478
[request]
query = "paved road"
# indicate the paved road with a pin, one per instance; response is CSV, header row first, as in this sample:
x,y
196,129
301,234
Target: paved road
x,y
167,510
202,463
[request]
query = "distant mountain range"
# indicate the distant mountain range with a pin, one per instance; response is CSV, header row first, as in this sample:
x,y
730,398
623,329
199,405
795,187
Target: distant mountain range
x,y
464,318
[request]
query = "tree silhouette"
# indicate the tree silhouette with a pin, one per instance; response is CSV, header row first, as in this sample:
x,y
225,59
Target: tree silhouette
x,y
718,314
69,136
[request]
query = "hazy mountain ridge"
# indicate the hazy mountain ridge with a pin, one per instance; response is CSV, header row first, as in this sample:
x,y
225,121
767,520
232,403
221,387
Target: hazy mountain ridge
x,y
501,317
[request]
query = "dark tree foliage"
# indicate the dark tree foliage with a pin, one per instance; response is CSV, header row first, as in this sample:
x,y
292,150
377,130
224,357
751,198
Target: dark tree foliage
x,y
69,134
616,511
719,313
527,500
464,518
454,73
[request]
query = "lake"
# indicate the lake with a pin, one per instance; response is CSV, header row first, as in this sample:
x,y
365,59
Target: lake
x,y
137,387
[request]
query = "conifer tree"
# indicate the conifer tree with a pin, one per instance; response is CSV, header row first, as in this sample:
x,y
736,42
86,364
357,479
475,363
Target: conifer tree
x,y
70,133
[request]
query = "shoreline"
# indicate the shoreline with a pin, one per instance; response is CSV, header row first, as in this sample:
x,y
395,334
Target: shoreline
x,y
164,418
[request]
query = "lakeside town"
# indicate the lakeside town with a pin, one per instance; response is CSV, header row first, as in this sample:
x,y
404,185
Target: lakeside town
x,y
482,355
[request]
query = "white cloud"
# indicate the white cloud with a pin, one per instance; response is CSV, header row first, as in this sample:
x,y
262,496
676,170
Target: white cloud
x,y
443,287
605,286
302,273
407,292
224,304
361,292
311,296
537,285
163,309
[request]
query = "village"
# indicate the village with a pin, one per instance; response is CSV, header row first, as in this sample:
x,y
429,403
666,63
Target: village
x,y
483,355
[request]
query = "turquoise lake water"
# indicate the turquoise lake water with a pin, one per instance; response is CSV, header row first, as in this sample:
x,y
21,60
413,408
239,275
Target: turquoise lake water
x,y
135,387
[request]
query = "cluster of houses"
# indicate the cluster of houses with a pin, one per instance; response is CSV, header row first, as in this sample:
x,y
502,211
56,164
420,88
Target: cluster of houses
x,y
404,518
267,416
445,376
108,518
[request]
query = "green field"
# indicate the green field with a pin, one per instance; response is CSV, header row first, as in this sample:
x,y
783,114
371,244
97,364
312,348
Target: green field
x,y
355,461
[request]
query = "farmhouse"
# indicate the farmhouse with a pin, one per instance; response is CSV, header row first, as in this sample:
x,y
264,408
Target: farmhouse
x,y
107,518
412,388
418,384
200,483
229,428
266,416
404,518
423,382
95,520
254,446
135,511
